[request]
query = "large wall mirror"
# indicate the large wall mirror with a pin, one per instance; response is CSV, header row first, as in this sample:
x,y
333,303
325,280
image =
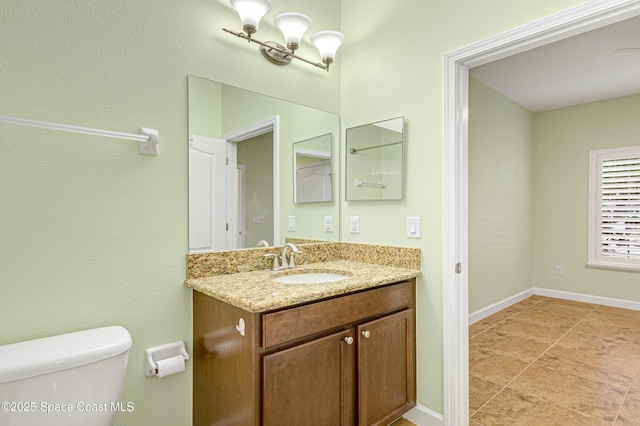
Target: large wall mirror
x,y
242,169
375,161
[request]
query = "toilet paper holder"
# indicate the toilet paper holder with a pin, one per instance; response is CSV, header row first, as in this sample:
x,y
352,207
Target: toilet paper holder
x,y
158,353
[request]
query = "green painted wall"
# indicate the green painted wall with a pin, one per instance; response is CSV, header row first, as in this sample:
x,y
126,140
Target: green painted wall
x,y
500,196
528,206
563,139
205,107
94,233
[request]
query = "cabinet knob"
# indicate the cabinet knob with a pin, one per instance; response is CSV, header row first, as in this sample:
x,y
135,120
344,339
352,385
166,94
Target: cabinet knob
x,y
348,340
366,334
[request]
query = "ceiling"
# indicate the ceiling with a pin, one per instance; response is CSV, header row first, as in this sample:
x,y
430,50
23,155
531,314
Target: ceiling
x,y
573,71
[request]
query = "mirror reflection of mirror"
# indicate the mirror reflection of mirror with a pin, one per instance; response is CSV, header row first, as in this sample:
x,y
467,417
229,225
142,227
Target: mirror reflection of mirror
x,y
374,161
240,156
312,174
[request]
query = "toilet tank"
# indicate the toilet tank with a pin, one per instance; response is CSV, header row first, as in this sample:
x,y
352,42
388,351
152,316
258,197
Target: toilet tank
x,y
70,379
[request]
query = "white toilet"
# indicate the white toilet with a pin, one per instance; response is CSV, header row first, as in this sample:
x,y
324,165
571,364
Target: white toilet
x,y
70,379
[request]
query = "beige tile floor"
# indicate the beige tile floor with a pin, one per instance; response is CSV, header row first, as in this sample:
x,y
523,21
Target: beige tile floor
x,y
546,361
402,422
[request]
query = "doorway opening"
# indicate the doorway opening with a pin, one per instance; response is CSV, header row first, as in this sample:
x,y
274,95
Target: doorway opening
x,y
253,185
583,18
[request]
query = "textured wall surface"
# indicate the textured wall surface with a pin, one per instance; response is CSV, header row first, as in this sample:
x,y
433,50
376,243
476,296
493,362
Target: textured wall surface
x,y
92,232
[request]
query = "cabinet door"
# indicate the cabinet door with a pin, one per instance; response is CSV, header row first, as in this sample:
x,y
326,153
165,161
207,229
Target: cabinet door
x,y
386,368
311,384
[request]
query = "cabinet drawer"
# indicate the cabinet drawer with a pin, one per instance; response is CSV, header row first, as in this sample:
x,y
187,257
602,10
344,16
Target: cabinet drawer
x,y
290,324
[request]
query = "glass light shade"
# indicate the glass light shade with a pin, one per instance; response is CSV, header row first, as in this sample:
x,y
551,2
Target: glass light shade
x,y
251,11
327,43
293,26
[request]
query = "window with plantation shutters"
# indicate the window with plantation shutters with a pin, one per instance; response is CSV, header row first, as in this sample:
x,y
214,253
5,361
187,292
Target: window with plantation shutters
x,y
614,208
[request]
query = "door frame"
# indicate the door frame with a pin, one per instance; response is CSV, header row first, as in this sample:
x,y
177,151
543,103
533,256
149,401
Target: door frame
x,y
584,17
271,124
241,201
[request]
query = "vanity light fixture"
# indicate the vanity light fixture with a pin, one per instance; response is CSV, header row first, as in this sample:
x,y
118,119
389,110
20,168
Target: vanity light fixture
x,y
293,25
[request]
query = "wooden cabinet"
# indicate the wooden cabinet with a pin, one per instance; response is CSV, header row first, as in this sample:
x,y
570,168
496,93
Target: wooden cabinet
x,y
310,384
386,368
348,360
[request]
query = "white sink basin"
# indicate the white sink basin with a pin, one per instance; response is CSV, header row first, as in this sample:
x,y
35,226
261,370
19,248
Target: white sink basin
x,y
310,278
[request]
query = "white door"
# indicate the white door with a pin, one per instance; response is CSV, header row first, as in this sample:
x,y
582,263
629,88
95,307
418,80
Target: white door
x,y
207,194
313,183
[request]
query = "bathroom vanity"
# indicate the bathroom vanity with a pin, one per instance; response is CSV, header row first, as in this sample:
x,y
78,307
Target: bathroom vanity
x,y
323,354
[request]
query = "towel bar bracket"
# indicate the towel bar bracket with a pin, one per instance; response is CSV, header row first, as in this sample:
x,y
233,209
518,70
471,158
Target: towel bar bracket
x,y
149,147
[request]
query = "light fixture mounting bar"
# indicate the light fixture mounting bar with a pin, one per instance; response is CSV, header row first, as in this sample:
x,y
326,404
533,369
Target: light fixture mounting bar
x,y
273,46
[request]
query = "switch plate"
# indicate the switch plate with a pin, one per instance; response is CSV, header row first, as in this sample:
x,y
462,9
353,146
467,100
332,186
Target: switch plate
x,y
413,227
291,223
328,224
355,224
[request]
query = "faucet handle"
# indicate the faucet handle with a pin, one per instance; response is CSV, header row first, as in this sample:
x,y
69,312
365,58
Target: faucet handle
x,y
275,266
285,265
292,262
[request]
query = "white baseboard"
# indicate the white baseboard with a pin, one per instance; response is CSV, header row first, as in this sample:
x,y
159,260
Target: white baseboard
x,y
422,416
587,298
498,306
578,297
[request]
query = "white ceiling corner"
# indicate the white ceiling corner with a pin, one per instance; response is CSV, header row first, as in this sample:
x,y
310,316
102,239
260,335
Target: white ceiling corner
x,y
573,71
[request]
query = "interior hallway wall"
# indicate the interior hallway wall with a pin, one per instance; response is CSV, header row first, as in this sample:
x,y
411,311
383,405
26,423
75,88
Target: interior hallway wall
x,y
500,196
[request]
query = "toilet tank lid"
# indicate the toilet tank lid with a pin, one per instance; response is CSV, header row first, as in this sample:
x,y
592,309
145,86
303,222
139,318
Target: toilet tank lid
x,y
49,354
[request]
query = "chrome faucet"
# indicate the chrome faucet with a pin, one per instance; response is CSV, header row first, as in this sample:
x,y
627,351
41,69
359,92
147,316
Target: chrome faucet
x,y
291,264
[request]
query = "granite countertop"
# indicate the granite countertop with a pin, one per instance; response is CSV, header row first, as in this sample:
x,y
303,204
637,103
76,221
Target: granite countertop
x,y
256,292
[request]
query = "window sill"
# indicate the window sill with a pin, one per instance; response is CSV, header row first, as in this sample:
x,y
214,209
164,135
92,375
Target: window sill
x,y
618,266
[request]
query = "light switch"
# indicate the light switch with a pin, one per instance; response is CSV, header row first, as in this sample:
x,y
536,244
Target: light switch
x,y
291,223
413,227
328,224
355,224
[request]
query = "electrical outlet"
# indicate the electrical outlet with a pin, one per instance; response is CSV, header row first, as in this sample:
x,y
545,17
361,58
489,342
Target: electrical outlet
x,y
559,270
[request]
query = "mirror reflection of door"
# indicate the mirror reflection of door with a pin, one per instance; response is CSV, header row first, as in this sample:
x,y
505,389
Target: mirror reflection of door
x,y
207,194
313,178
